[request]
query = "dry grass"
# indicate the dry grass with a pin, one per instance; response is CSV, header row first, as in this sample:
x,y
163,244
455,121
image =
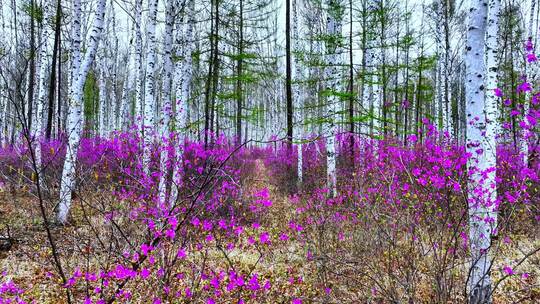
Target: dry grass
x,y
347,268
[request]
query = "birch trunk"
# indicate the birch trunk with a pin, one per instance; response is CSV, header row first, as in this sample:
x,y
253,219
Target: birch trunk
x,y
446,92
113,57
139,68
183,75
531,76
37,126
297,97
439,112
127,89
366,79
166,96
149,99
372,63
3,117
481,144
75,43
102,101
74,127
5,131
32,111
333,28
491,110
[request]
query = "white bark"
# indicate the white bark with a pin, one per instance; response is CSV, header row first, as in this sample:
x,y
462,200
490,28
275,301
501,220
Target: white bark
x,y
40,102
127,89
481,143
8,125
36,89
297,97
75,108
125,99
373,61
75,42
3,117
149,99
4,132
532,13
531,76
492,64
439,112
102,101
138,66
446,92
489,141
333,28
183,76
366,86
113,115
113,58
166,96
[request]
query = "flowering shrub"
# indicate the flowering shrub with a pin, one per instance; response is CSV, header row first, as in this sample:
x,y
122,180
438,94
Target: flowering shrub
x,y
10,293
234,232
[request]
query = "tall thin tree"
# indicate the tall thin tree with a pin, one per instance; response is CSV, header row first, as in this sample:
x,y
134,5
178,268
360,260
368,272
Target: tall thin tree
x,y
75,109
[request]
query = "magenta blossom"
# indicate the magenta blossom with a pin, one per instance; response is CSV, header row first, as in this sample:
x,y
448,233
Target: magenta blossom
x,y
529,45
508,270
405,104
524,87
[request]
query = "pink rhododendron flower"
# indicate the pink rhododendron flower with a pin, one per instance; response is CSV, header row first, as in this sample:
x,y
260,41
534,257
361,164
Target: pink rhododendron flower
x,y
144,273
524,87
264,238
253,283
529,45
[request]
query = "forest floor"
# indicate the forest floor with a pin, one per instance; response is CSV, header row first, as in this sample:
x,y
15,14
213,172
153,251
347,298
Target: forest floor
x,y
28,261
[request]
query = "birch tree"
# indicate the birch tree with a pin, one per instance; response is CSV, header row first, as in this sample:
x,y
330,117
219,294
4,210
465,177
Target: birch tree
x,y
75,109
297,97
102,101
4,108
333,28
149,99
133,75
113,63
32,65
127,89
183,75
531,74
440,61
446,92
138,66
37,126
288,72
166,110
481,145
75,43
371,88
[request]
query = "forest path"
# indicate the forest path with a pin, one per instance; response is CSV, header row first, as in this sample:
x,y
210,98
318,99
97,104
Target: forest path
x,y
280,255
